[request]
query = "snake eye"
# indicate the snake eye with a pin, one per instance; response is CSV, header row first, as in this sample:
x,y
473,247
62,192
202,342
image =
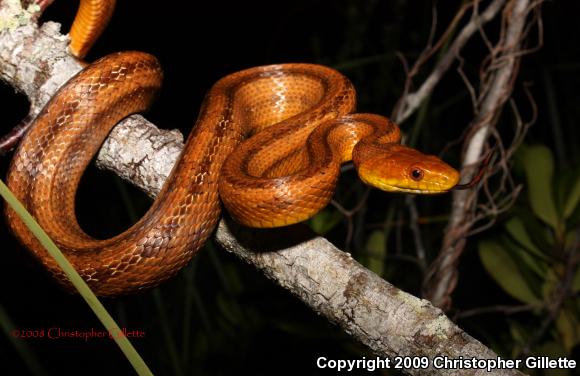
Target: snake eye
x,y
416,174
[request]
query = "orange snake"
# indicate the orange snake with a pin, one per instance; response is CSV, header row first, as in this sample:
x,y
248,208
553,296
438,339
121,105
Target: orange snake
x,y
278,176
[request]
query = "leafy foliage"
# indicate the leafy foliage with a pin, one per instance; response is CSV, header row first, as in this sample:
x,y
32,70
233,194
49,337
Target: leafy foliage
x,y
533,258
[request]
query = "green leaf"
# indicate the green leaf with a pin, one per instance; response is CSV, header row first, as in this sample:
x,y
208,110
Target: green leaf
x,y
325,221
531,262
551,281
376,250
539,167
520,336
540,233
515,227
563,181
505,271
569,328
573,196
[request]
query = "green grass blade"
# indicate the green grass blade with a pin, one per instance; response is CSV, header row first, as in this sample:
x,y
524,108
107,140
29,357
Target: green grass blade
x,y
81,286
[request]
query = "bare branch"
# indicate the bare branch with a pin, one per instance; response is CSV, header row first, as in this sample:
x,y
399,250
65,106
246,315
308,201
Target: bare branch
x,y
409,103
349,295
498,74
350,213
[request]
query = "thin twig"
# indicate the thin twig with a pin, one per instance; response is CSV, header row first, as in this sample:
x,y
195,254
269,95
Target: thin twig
x,y
349,214
409,103
11,139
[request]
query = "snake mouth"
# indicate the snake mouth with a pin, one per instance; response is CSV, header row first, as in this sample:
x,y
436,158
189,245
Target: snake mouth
x,y
416,191
431,190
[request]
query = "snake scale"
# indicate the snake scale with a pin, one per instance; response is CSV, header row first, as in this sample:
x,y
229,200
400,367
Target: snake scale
x,y
268,143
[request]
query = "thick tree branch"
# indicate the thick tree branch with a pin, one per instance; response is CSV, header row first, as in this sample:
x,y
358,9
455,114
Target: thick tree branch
x,y
35,61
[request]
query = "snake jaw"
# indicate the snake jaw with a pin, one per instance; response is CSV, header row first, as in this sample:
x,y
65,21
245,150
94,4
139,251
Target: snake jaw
x,y
393,187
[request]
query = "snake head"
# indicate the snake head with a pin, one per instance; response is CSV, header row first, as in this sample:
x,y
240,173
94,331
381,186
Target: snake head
x,y
397,168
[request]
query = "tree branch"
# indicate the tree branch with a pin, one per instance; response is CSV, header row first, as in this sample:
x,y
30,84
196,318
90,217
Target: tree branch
x,y
35,61
410,102
497,81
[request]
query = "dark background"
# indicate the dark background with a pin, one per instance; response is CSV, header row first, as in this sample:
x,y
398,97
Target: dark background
x,y
220,315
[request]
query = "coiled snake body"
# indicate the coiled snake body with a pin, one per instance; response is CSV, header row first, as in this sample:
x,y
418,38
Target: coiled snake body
x,y
298,117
